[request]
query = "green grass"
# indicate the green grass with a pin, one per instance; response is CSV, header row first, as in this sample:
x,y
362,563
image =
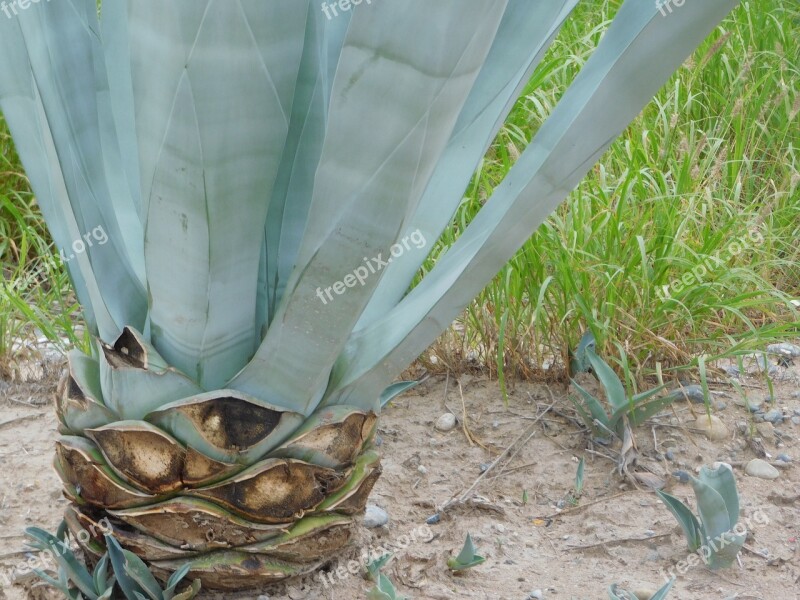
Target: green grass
x,y
713,157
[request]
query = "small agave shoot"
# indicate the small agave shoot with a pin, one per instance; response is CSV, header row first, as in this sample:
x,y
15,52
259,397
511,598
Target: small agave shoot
x,y
270,182
467,558
625,411
616,593
384,590
713,535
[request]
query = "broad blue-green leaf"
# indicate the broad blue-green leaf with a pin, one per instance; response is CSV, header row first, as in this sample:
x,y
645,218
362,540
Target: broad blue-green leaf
x,y
524,35
377,158
686,519
294,187
213,83
640,50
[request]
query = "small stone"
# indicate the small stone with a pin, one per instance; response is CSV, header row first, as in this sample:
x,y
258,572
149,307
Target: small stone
x,y
422,470
536,595
796,420
495,424
732,371
447,422
784,350
693,393
296,593
669,455
722,405
682,476
766,431
644,593
263,597
713,427
775,416
761,469
375,517
500,528
433,519
485,467
378,441
753,404
785,458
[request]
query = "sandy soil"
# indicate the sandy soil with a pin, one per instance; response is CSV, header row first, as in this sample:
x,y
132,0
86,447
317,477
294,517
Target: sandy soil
x,y
565,548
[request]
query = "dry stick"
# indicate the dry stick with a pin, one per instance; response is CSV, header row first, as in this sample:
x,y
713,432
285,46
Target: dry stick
x,y
619,541
5,424
528,432
564,511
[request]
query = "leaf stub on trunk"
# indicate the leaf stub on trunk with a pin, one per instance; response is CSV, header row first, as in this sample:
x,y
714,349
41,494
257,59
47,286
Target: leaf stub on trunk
x,y
142,455
82,466
275,491
195,524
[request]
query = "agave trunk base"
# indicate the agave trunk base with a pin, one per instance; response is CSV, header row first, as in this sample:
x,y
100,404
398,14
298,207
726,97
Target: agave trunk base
x,y
245,493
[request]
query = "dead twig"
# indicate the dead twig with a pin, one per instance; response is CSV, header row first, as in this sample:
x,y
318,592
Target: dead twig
x,y
519,443
617,542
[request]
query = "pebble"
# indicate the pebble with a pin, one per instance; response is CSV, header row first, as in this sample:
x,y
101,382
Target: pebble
x,y
375,517
761,469
722,405
433,519
693,393
263,597
796,420
796,410
378,441
495,424
766,431
784,349
753,403
713,427
296,593
422,470
733,371
447,422
485,467
682,476
785,458
775,416
536,595
500,528
669,455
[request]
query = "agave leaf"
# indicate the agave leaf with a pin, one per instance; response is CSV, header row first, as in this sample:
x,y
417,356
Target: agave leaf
x,y
136,380
376,160
374,567
79,399
59,585
65,558
294,187
640,50
692,528
131,588
24,110
394,390
525,33
615,391
384,590
594,407
139,572
63,46
720,477
713,511
661,594
100,575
